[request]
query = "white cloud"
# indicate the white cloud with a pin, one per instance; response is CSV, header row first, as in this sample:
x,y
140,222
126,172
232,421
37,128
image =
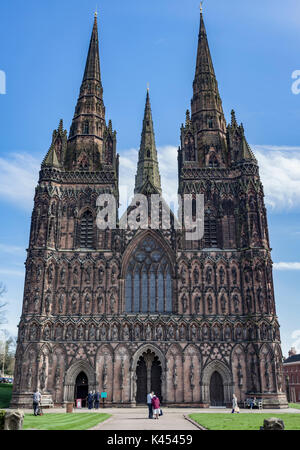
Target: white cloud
x,y
279,170
296,342
280,175
287,266
19,176
12,249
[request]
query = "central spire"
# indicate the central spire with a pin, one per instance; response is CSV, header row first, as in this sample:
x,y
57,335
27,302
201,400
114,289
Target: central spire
x,y
147,179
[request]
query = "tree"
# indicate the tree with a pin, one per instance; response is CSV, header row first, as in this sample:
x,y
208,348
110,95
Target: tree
x,y
7,353
2,303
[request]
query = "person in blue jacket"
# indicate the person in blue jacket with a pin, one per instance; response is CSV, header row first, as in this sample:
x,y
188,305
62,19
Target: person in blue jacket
x,y
96,400
90,400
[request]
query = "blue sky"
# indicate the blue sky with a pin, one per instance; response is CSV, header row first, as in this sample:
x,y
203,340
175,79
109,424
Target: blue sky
x,y
255,49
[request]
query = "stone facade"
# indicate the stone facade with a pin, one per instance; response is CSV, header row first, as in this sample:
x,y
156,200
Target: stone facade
x,y
125,311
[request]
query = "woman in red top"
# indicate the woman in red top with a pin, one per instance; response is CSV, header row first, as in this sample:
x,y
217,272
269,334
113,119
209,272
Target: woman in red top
x,y
156,406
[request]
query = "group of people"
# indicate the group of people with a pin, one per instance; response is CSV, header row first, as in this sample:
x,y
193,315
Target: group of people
x,y
153,403
93,400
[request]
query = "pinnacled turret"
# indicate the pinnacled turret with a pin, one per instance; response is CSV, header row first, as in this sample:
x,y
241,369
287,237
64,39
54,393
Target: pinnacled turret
x,y
57,151
239,149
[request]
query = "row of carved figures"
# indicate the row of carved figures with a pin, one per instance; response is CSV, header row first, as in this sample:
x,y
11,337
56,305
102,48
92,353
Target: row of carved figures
x,y
115,332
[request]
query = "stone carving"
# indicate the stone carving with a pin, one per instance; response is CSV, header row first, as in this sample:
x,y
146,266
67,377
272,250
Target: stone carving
x,y
13,420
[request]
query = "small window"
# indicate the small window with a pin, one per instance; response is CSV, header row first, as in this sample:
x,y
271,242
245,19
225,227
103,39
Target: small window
x,y
86,230
86,128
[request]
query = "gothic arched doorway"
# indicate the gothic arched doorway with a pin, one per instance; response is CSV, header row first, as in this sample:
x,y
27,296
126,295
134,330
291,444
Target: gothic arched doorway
x,y
148,376
216,390
81,388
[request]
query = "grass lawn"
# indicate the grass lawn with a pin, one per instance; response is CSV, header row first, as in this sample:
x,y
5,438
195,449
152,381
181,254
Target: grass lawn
x,y
294,405
5,395
64,421
251,421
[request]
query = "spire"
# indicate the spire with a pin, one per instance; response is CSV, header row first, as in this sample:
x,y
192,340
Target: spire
x,y
206,102
89,117
92,68
147,179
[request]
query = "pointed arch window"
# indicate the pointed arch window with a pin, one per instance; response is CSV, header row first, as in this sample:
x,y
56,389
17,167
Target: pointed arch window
x,y
148,282
86,127
86,230
210,230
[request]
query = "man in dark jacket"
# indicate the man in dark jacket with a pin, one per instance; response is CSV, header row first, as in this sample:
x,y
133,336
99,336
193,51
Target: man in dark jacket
x,y
36,401
96,399
90,400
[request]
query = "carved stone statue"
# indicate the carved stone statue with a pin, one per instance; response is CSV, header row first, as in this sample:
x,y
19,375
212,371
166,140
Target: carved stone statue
x,y
100,299
184,303
87,278
112,303
62,275
196,276
223,303
42,376
75,275
47,303
148,333
236,303
101,275
74,303
126,333
61,302
159,333
208,275
87,303
234,275
194,333
50,273
222,275
209,303
197,304
113,275
103,333
29,376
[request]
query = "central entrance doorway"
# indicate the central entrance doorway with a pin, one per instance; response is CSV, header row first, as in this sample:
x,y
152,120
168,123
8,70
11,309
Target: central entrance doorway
x,y
216,390
81,388
148,373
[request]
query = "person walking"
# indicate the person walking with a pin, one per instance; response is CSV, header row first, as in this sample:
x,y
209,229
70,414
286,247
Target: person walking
x,y
96,400
90,400
149,404
156,406
235,406
36,401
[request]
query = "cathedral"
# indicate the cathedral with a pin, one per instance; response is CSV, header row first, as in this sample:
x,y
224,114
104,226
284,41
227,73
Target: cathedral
x,y
125,311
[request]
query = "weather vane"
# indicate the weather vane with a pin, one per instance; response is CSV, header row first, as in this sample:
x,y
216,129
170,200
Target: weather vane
x,y
201,7
96,12
148,87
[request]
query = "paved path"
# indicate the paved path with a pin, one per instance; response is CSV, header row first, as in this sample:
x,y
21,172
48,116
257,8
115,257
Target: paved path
x,y
137,419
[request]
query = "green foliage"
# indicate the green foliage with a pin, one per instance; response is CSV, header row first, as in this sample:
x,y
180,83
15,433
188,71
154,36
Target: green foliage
x,y
243,421
5,395
2,414
64,421
294,405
